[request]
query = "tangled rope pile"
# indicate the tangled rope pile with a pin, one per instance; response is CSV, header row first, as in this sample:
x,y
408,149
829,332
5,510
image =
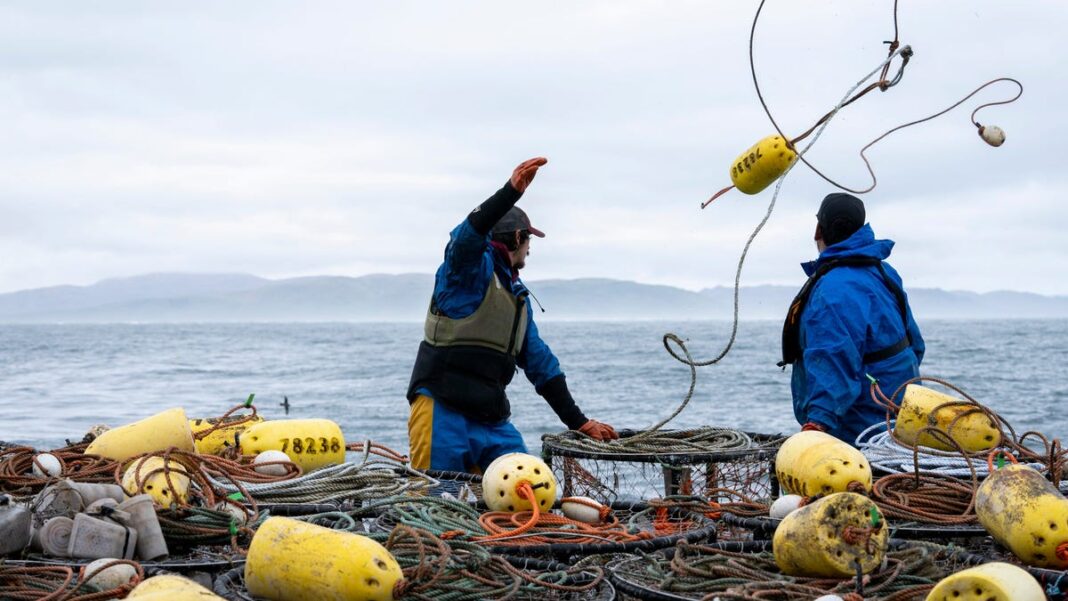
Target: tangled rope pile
x,y
192,526
59,583
457,521
17,462
214,478
926,498
707,572
366,480
436,569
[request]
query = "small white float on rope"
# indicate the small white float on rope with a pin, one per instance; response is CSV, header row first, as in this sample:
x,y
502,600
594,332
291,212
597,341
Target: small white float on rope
x,y
583,509
992,135
46,465
269,458
111,577
236,514
784,505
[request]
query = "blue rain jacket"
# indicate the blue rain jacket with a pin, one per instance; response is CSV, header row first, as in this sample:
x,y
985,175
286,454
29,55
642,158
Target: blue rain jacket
x,y
851,313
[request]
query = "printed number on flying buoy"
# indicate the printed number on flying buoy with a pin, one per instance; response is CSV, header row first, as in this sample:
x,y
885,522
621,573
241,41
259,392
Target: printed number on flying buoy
x,y
764,162
759,166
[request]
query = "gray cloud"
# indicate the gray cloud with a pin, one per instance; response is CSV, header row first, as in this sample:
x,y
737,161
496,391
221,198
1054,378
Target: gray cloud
x,y
338,137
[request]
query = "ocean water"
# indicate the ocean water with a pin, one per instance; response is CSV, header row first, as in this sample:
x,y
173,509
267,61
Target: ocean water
x,y
58,380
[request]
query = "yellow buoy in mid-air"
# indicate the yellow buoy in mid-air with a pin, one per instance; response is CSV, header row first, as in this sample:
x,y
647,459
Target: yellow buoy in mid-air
x,y
1026,513
156,433
309,443
824,539
762,164
960,420
500,483
995,581
815,463
290,560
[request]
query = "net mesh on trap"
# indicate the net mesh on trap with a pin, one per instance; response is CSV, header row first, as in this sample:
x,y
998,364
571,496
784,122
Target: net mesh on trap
x,y
459,485
632,527
717,464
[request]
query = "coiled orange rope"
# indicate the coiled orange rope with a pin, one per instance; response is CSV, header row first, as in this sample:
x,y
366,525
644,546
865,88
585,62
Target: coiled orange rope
x,y
537,528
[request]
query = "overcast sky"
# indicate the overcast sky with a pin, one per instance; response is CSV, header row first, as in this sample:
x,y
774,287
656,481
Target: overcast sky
x,y
301,138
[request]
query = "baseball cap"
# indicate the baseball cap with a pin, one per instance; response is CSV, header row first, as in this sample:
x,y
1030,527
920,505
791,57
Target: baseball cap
x,y
840,216
516,219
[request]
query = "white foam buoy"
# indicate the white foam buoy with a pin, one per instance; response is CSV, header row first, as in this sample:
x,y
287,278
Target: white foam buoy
x,y
582,509
784,505
992,135
109,578
268,457
829,598
236,513
46,465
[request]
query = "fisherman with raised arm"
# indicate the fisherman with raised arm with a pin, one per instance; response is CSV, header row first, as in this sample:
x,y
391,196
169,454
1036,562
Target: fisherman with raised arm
x,y
479,329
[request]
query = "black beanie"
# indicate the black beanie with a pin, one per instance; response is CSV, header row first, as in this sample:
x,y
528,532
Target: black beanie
x,y
840,216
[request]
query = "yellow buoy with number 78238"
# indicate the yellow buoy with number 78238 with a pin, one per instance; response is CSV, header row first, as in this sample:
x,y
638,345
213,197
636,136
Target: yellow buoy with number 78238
x,y
759,166
764,162
310,443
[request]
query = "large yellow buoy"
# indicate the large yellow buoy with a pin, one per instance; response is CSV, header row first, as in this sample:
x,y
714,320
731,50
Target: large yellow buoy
x,y
923,407
814,463
290,560
310,443
1025,513
156,433
988,582
824,539
758,167
223,438
171,588
149,475
500,483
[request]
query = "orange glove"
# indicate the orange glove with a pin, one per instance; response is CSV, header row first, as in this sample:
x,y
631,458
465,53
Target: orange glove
x,y
595,429
524,173
813,426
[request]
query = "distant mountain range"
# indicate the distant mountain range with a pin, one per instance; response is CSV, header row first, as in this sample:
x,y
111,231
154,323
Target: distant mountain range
x,y
242,297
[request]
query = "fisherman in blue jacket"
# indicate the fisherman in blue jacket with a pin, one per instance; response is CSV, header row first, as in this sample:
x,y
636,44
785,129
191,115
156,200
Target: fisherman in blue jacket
x,y
479,329
850,320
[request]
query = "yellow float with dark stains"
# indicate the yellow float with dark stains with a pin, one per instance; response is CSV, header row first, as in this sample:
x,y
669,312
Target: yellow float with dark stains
x,y
309,443
290,560
223,438
989,582
824,539
814,463
1027,514
166,481
961,420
